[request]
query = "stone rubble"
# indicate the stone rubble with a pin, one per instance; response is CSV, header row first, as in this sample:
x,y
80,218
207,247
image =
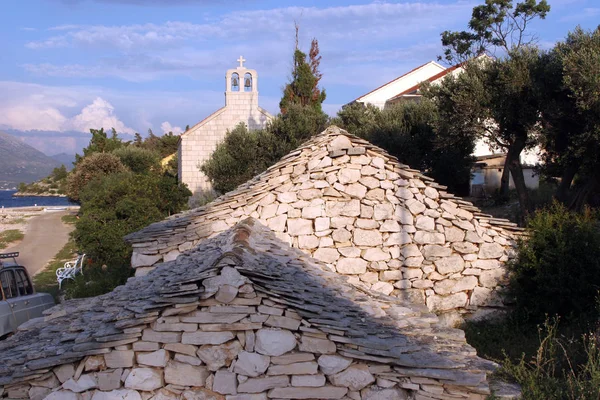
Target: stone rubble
x,y
351,205
295,330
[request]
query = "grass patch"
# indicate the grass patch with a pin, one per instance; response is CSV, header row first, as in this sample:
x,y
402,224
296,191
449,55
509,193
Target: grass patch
x,y
45,281
10,236
69,219
17,221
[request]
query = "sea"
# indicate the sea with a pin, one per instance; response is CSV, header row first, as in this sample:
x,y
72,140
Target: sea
x,y
6,200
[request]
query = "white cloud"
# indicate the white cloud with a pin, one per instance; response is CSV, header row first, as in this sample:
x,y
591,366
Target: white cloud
x,y
166,127
99,114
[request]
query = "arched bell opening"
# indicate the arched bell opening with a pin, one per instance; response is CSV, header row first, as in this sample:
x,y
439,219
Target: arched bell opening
x,y
235,82
248,82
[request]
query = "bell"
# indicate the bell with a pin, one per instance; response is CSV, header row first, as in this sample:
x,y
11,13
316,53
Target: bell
x,y
247,83
235,82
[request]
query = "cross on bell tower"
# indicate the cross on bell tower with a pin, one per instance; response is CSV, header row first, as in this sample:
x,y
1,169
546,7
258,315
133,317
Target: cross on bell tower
x,y
241,84
241,60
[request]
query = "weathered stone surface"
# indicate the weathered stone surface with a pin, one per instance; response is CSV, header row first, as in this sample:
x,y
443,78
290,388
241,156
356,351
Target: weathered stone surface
x,y
390,225
398,238
316,345
259,385
94,363
298,226
435,250
328,255
465,247
144,260
348,175
64,372
384,394
383,287
301,368
492,277
375,254
355,377
490,250
225,382
85,382
449,265
351,266
161,337
423,237
425,223
219,356
201,394
251,364
66,395
226,294
199,338
274,342
182,374
445,303
188,349
145,379
317,380
120,359
110,380
362,237
383,211
325,392
121,394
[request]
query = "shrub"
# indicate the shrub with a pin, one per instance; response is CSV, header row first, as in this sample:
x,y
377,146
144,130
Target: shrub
x,y
557,270
90,167
137,159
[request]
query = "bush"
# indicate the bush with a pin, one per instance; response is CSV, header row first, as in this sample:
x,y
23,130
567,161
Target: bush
x,y
557,270
137,159
91,167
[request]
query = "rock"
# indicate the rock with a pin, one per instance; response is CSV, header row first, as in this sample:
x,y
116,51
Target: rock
x,y
316,345
423,237
325,392
403,216
259,385
145,379
219,356
390,226
394,275
274,342
158,358
187,349
251,364
341,235
292,358
94,363
405,193
384,394
349,175
327,255
287,197
259,396
161,337
383,212
340,142
398,239
425,223
322,223
435,250
144,260
362,237
445,303
465,247
225,382
308,242
226,294
121,394
415,206
351,266
64,395
490,250
199,338
308,380
450,265
298,226
355,377
201,394
383,287
85,382
278,223
375,254
64,372
414,261
38,392
356,190
431,193
182,374
301,368
110,380
492,277
486,264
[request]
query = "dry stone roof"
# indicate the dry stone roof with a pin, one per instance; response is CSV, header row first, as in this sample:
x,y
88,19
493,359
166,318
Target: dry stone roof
x,y
355,207
397,341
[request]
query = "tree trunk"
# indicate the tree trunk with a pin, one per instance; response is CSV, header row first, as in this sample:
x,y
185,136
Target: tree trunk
x,y
566,179
505,180
516,170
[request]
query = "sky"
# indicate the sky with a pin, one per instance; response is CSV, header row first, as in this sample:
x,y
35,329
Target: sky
x,y
70,65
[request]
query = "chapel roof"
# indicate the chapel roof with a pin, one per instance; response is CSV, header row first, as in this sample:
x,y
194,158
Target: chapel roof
x,y
365,325
333,143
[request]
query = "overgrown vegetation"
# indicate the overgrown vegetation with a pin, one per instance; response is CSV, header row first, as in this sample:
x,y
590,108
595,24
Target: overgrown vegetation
x,y
45,280
53,184
9,236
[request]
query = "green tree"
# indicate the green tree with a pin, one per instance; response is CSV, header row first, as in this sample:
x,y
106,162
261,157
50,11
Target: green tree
x,y
59,173
138,160
101,143
113,206
90,167
495,25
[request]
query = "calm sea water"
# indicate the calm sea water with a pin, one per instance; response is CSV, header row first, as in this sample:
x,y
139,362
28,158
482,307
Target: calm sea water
x,y
6,200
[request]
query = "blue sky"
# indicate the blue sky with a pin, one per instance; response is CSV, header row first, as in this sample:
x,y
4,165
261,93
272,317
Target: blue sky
x,y
70,65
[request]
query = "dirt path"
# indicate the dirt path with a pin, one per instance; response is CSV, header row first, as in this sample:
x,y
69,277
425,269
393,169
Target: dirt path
x,y
46,234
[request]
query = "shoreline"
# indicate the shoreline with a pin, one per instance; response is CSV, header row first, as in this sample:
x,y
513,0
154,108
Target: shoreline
x,y
27,194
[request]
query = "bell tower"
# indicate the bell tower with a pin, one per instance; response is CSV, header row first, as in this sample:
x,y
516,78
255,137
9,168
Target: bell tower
x,y
241,86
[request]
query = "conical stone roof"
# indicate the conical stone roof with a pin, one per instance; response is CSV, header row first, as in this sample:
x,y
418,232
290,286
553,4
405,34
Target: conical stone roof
x,y
242,295
353,206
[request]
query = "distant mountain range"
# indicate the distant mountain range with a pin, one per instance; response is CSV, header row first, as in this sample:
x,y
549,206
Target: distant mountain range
x,y
20,162
66,159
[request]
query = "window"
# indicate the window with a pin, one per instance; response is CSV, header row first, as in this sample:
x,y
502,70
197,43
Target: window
x,y
235,82
23,284
248,82
9,285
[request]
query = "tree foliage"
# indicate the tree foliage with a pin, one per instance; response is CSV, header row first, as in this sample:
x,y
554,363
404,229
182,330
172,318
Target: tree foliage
x,y
101,143
497,24
138,159
409,131
88,168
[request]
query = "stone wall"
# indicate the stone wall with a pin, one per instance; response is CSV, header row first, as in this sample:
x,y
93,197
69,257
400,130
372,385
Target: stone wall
x,y
350,204
220,323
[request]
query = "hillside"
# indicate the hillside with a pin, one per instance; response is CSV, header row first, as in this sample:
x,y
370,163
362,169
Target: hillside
x,y
65,159
20,162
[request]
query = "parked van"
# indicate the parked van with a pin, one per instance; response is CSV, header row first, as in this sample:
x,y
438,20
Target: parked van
x,y
19,301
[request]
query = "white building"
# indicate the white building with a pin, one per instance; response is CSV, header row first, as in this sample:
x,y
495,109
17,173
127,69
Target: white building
x,y
198,143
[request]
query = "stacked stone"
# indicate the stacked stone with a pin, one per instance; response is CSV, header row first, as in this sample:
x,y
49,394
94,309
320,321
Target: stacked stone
x,y
241,317
355,207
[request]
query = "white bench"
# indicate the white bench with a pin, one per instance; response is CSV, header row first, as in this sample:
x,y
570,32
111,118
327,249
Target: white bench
x,y
70,269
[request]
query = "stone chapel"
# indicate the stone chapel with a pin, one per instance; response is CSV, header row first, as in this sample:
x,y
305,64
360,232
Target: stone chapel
x,y
241,105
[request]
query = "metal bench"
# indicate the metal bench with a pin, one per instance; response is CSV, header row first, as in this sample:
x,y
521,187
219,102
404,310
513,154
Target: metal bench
x,y
70,269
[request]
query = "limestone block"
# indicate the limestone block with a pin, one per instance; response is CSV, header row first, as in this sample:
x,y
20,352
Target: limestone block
x,y
413,261
145,379
449,265
341,235
200,338
434,250
317,380
94,363
465,247
309,194
356,190
363,237
120,394
412,273
449,286
369,182
158,358
370,277
384,394
349,251
322,223
423,237
38,393
351,266
67,395
85,382
332,364
473,237
225,382
64,372
181,374
425,223
383,287
145,346
110,380
410,250
325,392
300,368
340,142
404,193
375,194
384,211
327,255
422,284
300,227
260,385
277,223
355,377
390,225
144,260
415,206
151,335
342,222
492,277
348,175
251,364
287,197
192,360
398,239
274,342
375,254
490,251
395,275
219,356
431,193
316,345
445,303
486,264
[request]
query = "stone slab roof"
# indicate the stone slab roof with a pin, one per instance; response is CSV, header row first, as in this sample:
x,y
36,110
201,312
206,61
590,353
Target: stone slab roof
x,y
364,325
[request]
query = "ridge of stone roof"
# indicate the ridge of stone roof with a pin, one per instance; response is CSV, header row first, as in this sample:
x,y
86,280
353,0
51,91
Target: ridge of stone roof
x,y
365,325
261,185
